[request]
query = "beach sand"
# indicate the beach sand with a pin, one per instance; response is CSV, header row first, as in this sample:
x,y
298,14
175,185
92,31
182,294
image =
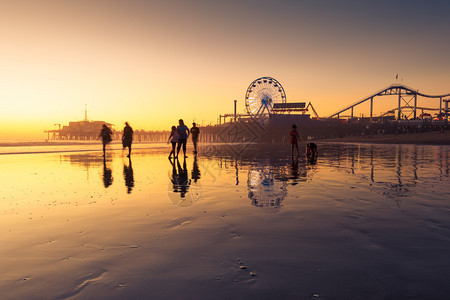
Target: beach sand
x,y
364,222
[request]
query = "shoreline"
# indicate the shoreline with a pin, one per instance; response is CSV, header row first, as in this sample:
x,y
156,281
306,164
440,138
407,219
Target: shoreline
x,y
67,143
425,138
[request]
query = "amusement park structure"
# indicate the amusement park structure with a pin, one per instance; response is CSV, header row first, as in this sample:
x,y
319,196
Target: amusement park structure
x,y
407,103
265,101
268,114
77,130
265,97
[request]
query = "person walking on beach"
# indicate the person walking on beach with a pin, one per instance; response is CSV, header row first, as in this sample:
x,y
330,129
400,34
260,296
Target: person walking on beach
x,y
127,138
105,134
295,138
183,132
195,132
173,138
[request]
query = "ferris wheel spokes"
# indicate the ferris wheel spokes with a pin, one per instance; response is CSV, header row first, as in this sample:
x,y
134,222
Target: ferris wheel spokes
x,y
261,95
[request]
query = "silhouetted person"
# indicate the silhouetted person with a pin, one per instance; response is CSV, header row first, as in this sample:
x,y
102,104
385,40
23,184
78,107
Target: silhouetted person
x,y
195,132
173,138
107,175
195,174
127,138
128,176
295,138
183,132
311,152
105,134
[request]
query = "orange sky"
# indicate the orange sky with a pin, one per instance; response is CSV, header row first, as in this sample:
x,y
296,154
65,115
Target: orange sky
x,y
152,63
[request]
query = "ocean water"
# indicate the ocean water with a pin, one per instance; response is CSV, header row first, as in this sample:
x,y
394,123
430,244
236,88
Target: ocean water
x,y
233,222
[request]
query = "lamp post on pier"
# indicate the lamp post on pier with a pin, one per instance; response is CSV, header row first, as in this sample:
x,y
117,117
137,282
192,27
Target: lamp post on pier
x,y
235,102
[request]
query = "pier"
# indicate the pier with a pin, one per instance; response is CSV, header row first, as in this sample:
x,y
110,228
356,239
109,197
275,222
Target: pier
x,y
269,117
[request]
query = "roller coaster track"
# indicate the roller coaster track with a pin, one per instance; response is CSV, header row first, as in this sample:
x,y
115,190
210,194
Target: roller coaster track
x,y
395,89
392,111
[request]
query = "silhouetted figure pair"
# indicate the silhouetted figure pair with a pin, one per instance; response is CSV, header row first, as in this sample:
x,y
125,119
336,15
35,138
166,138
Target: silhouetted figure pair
x,y
128,175
127,138
179,178
105,134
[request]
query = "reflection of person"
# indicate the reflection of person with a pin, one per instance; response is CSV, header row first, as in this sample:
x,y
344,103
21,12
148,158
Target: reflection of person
x,y
173,138
127,138
179,178
183,132
183,181
294,170
128,176
174,178
311,152
195,132
105,134
107,175
295,138
195,174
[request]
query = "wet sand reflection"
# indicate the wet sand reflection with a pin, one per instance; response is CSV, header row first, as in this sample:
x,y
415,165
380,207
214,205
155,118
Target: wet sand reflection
x,y
128,175
69,219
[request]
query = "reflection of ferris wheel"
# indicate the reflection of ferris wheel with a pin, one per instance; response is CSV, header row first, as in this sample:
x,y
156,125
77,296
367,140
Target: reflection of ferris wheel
x,y
261,95
264,190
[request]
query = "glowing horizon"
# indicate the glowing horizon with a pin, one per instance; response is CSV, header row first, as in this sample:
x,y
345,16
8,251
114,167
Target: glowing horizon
x,y
152,63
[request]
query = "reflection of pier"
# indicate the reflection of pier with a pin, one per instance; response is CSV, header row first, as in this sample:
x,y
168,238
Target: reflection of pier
x,y
391,170
395,169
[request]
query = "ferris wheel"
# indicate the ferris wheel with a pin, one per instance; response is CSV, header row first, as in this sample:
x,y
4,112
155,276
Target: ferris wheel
x,y
261,95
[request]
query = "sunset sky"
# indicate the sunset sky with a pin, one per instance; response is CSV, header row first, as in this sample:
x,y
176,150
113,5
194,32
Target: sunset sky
x,y
153,62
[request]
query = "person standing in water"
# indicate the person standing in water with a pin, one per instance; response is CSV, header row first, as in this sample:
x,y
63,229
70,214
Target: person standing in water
x,y
183,132
195,132
105,134
127,138
295,138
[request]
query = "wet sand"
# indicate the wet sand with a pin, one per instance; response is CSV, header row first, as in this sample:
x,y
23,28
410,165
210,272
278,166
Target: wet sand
x,y
9,148
426,138
363,222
